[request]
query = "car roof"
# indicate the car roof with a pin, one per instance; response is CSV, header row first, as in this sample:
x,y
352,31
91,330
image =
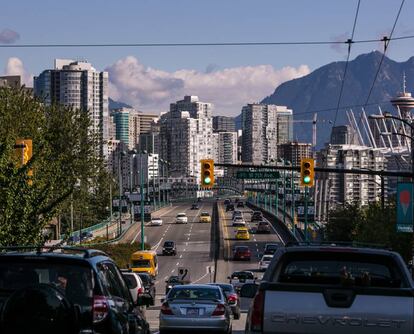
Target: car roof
x,y
242,229
339,249
242,247
181,213
187,286
205,213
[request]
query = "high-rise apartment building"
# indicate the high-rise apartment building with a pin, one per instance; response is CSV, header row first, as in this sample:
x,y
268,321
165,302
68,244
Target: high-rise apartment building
x,y
77,84
121,119
186,136
344,135
294,151
225,147
264,127
139,123
224,124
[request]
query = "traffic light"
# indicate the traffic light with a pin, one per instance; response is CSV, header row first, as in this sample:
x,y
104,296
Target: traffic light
x,y
307,173
207,173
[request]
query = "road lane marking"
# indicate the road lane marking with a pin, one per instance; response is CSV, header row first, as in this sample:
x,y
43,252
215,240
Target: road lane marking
x,y
207,273
178,263
181,256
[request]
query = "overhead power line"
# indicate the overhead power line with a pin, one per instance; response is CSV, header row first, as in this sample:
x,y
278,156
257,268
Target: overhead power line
x,y
115,45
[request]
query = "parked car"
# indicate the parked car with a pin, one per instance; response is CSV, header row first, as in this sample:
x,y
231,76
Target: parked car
x,y
149,286
239,221
229,207
65,290
134,283
232,298
242,233
86,235
195,307
263,227
156,221
241,253
321,286
205,217
181,218
195,206
265,261
169,248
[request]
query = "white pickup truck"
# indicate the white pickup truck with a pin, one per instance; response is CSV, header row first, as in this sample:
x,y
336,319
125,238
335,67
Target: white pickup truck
x,y
332,289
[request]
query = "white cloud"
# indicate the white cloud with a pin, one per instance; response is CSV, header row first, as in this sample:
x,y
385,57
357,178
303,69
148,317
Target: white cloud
x,y
15,66
152,90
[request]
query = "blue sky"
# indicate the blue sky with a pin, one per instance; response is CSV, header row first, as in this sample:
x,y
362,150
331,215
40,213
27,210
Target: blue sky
x,y
150,78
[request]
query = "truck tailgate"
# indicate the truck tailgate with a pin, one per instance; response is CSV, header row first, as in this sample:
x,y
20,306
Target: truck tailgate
x,y
306,311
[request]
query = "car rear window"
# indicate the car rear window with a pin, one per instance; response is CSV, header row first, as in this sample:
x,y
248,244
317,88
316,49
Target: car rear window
x,y
130,280
242,275
168,244
195,293
140,263
75,280
146,279
242,232
180,215
205,214
356,270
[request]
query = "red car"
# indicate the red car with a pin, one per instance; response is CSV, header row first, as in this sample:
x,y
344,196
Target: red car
x,y
241,253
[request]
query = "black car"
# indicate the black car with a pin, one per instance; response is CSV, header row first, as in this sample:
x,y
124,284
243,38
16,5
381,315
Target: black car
x,y
257,216
65,290
169,248
172,281
230,207
270,249
240,204
194,206
227,201
149,286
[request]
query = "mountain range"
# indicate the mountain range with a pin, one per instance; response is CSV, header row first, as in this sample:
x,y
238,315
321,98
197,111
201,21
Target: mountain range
x,y
319,92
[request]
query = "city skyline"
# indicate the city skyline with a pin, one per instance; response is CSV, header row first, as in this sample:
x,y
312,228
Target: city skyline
x,y
229,77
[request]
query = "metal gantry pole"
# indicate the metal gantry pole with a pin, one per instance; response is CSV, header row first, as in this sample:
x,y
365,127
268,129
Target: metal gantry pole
x,y
131,204
120,192
141,189
284,197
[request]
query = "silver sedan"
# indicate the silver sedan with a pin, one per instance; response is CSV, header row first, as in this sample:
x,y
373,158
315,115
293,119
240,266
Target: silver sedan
x,y
195,307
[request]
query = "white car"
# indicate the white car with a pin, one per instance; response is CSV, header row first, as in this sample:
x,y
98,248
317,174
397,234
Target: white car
x,y
156,221
239,221
181,218
134,283
265,261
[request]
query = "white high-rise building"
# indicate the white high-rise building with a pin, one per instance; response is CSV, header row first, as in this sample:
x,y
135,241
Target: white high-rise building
x,y
225,147
77,84
186,136
264,127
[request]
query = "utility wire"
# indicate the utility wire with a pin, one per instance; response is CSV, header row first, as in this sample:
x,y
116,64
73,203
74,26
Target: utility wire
x,y
115,45
349,42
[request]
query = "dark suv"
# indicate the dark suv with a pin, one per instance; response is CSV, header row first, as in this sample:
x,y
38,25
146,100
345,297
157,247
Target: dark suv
x,y
169,248
149,286
65,290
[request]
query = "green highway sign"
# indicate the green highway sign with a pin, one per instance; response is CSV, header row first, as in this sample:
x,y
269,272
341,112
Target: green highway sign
x,y
257,175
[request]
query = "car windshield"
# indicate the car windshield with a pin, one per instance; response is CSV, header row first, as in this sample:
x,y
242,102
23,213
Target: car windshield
x,y
169,244
242,275
140,263
74,280
181,215
205,214
195,293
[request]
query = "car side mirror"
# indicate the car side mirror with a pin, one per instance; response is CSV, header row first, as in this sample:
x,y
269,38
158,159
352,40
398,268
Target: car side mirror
x,y
144,300
162,300
248,290
166,281
228,277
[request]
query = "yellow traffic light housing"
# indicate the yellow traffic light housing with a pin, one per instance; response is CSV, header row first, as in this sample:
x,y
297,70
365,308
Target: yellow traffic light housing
x,y
307,173
207,173
23,152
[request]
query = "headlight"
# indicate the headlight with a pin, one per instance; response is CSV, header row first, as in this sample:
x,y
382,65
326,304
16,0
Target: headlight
x,y
170,287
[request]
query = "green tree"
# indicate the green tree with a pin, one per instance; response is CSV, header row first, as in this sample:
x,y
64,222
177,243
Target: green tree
x,y
343,222
64,155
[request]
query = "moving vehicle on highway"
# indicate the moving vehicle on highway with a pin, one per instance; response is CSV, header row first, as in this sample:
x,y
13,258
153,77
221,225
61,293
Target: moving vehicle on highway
x,y
236,213
346,289
169,248
229,207
265,261
195,307
134,283
232,298
256,216
239,278
181,218
65,290
270,248
263,227
149,286
239,221
156,222
241,253
205,217
240,204
242,233
145,262
173,281
227,201
195,206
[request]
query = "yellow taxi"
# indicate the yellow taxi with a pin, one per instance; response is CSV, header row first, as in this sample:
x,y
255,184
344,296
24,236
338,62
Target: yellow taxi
x,y
242,233
205,217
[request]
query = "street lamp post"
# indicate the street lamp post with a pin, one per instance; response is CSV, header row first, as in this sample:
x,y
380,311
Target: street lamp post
x,y
131,165
121,154
141,190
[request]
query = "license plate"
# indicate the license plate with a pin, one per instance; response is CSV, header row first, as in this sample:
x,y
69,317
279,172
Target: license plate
x,y
192,311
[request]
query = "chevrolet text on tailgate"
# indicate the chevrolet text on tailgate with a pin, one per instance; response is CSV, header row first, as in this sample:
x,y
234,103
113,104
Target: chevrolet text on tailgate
x,y
331,289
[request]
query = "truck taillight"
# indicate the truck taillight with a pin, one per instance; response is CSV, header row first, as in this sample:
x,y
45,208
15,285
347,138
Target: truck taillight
x,y
220,310
165,309
100,308
256,323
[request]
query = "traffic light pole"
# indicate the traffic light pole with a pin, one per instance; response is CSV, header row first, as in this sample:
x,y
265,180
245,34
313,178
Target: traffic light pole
x,y
306,212
141,190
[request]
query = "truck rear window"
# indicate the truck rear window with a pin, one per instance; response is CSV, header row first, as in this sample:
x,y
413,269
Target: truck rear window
x,y
356,272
